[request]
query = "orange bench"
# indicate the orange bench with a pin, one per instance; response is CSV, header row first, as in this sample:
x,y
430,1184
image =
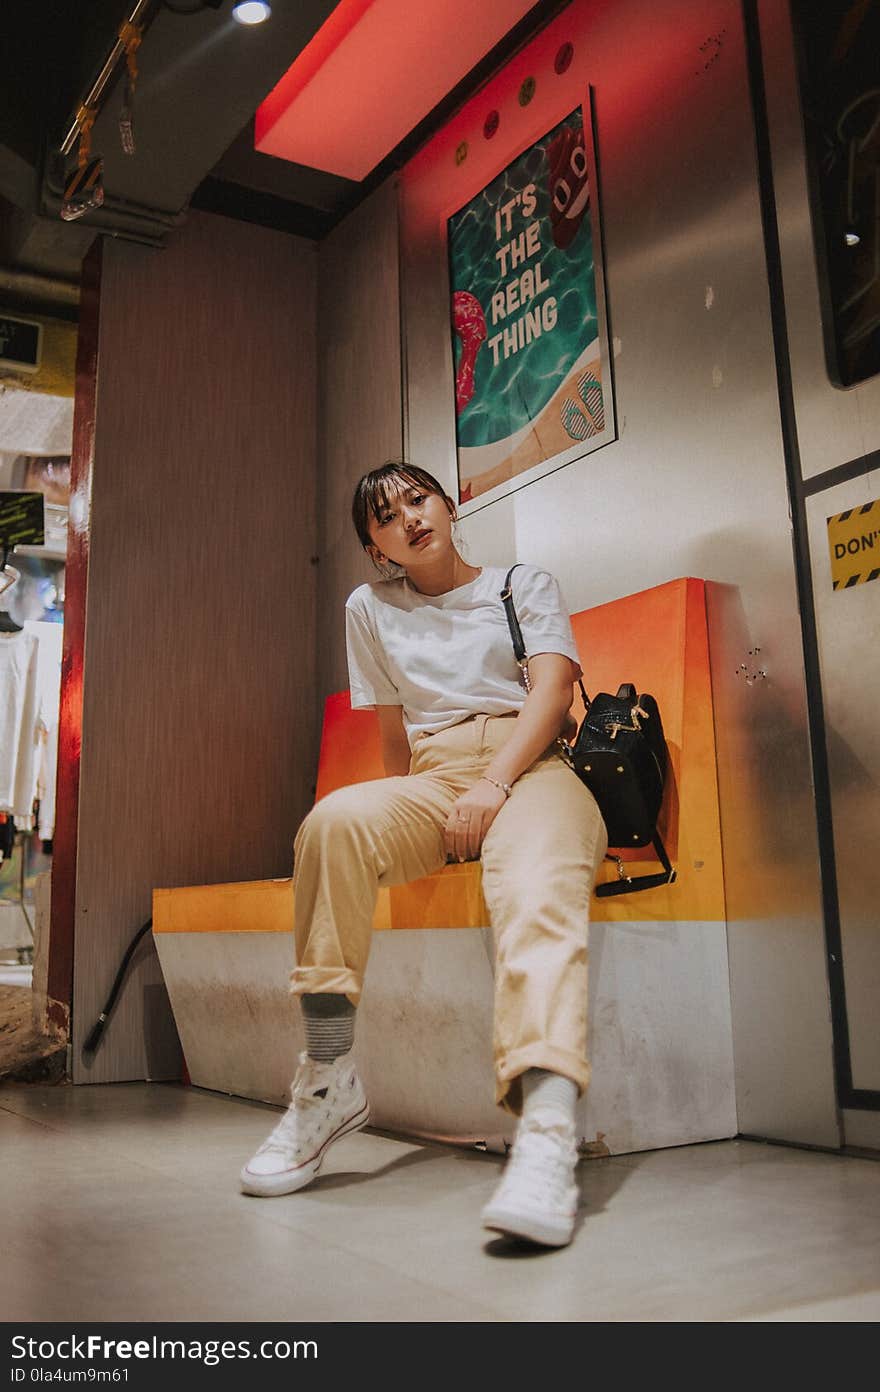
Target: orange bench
x,y
656,639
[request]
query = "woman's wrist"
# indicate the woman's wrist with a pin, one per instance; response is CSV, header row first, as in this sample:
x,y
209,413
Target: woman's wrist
x,y
505,788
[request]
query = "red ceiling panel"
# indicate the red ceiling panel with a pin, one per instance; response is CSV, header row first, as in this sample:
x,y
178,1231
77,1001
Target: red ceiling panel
x,y
371,73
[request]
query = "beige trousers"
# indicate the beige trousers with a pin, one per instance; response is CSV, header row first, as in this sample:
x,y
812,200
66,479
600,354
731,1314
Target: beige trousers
x,y
539,862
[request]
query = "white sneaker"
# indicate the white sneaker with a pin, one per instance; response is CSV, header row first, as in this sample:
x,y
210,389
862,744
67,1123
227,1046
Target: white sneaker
x,y
538,1197
327,1102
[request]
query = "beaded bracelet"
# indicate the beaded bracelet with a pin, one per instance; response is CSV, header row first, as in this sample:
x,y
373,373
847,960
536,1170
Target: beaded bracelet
x,y
505,787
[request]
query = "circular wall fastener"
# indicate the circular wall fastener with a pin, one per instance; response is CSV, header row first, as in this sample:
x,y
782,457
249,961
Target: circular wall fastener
x,y
461,153
562,61
490,125
527,91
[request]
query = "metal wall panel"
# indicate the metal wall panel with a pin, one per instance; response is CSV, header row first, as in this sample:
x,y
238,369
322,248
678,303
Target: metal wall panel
x,y
198,746
359,400
834,424
850,658
834,427
862,1129
696,482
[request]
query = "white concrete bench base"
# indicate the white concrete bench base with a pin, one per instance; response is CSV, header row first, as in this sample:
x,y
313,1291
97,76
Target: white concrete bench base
x,y
660,1032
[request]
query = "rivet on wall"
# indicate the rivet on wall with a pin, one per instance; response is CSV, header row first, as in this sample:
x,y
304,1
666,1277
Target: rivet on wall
x,y
490,125
461,153
564,55
527,91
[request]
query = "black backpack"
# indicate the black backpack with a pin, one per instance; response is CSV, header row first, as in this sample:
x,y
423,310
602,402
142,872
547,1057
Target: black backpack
x,y
620,753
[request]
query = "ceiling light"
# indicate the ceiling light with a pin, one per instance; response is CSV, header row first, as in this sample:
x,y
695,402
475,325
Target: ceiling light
x,y
852,239
251,11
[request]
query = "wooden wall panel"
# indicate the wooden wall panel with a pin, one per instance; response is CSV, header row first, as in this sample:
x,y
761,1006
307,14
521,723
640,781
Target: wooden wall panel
x,y
200,702
360,398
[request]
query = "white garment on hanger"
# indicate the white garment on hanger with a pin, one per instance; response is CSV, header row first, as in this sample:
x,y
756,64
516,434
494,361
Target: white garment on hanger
x,y
50,637
19,722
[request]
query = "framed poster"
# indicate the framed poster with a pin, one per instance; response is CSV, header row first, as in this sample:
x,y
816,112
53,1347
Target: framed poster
x,y
529,333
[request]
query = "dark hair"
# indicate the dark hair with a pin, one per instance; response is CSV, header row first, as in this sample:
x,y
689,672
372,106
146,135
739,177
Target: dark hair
x,y
374,492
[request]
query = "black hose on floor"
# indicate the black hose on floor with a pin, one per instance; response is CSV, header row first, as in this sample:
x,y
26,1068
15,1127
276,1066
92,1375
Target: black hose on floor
x,y
97,1030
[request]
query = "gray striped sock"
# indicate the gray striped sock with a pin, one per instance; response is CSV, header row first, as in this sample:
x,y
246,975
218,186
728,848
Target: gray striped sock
x,y
329,1026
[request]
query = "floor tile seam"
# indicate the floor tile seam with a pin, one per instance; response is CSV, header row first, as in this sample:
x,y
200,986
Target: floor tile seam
x,y
27,1116
231,1208
158,1167
75,1113
784,1313
59,1124
163,1166
735,1144
791,1196
355,1255
101,1146
792,1306
454,1289
762,1176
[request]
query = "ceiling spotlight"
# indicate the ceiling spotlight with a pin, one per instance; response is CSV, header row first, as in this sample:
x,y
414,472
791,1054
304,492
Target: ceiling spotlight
x,y
251,11
852,239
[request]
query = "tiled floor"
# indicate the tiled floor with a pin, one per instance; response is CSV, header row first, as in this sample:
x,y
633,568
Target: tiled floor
x,y
121,1203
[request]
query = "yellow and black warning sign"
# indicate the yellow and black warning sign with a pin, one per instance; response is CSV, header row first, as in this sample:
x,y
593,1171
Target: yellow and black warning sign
x,y
854,544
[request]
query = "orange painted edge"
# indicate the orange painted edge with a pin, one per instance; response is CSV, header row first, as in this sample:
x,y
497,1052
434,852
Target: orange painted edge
x,y
250,906
699,758
266,906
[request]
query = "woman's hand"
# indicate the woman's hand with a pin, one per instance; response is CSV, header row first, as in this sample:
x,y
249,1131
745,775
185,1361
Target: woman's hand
x,y
570,728
470,819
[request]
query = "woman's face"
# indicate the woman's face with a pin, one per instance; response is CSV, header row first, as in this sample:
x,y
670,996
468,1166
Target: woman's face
x,y
415,527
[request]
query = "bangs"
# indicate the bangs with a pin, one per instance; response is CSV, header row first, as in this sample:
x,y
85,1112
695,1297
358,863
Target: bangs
x,y
378,489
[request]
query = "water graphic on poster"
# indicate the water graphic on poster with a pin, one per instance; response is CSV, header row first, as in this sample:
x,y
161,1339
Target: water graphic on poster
x,y
528,331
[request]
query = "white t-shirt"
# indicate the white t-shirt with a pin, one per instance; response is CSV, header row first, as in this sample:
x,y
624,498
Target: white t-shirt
x,y
446,657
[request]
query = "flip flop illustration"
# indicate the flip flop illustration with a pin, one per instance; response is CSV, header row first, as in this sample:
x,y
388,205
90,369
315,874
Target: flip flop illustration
x,y
582,419
591,395
574,422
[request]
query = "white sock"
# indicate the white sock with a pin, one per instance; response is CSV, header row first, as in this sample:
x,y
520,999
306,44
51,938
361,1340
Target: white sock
x,y
550,1094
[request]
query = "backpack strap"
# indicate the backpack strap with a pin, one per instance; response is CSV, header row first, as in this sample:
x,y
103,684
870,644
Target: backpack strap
x,y
627,885
516,638
519,647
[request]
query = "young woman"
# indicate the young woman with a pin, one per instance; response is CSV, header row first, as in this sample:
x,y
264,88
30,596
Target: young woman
x,y
473,771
